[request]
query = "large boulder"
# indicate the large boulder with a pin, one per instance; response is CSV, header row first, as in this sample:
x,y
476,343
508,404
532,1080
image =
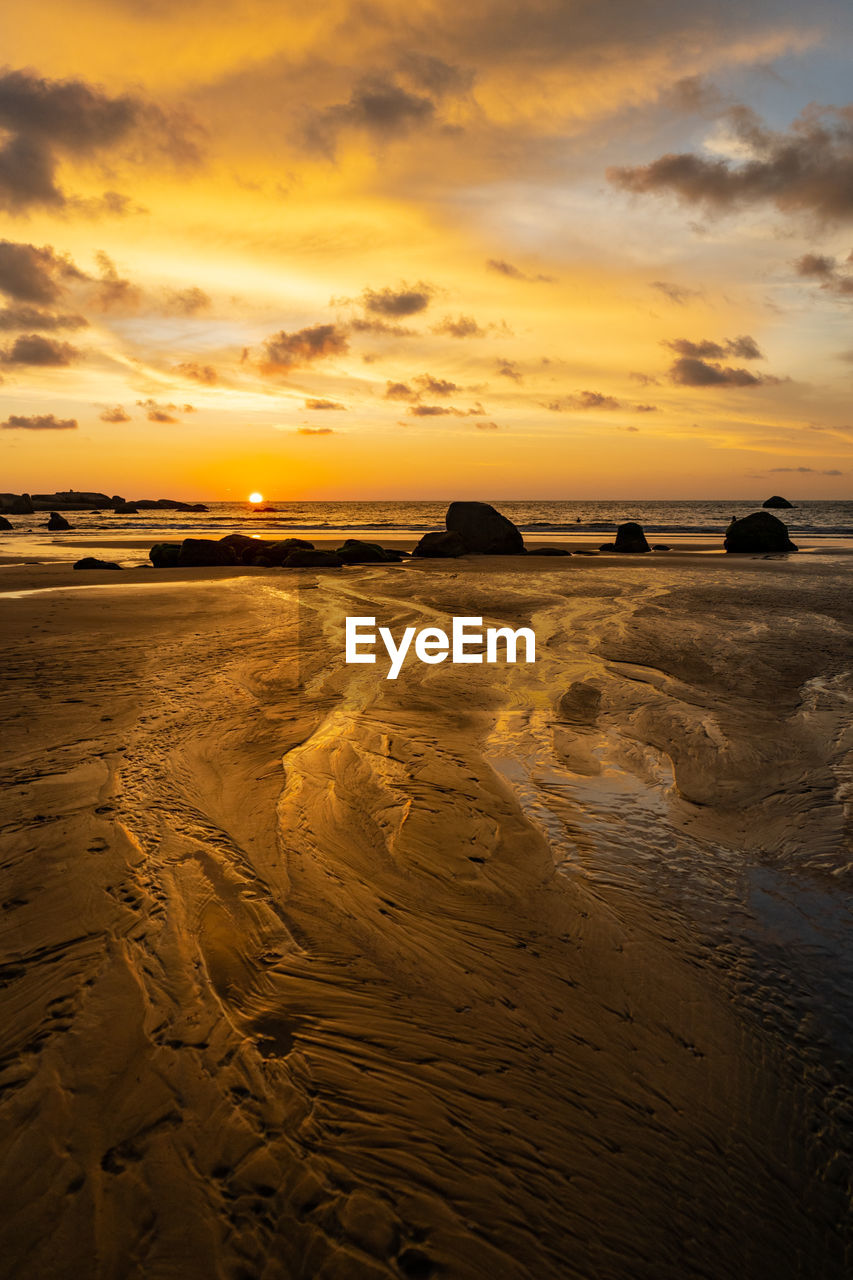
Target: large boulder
x,y
57,522
778,503
244,547
165,555
278,552
303,559
758,532
90,562
483,529
204,552
440,546
126,509
16,504
5,524
631,539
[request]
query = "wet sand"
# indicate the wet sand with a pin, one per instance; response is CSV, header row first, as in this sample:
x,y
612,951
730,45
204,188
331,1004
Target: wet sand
x,y
307,973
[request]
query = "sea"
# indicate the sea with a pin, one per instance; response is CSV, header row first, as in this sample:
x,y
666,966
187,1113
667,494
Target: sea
x,y
539,519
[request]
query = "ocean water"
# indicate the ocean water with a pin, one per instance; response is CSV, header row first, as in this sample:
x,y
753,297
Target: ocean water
x,y
538,519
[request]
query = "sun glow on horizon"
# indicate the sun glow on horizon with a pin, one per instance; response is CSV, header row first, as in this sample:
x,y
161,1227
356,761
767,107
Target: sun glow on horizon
x,y
256,497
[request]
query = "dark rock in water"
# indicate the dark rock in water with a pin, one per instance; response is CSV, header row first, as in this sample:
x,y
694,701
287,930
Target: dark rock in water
x,y
259,511
57,522
758,532
164,555
89,562
198,552
778,502
548,551
5,524
440,546
300,559
580,705
631,539
660,546
483,529
167,504
16,504
126,509
354,551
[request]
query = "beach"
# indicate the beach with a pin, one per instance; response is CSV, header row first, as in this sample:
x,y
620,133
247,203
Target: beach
x,y
514,971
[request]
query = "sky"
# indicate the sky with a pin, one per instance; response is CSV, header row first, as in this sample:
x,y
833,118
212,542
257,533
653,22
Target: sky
x,y
361,250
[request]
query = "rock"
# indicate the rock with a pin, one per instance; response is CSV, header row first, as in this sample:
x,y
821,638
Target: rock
x,y
584,552
607,546
580,705
548,551
167,504
126,509
278,552
203,552
164,555
16,504
57,522
260,511
631,539
758,532
244,547
354,551
89,562
778,502
443,546
660,546
71,500
300,559
483,529
5,524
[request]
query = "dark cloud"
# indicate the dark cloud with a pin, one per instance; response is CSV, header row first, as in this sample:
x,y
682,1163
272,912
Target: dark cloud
x,y
807,169
24,317
116,414
434,75
587,400
203,373
323,404
186,302
431,410
674,292
462,327
286,351
32,349
315,431
155,412
693,94
742,347
408,300
112,291
644,408
28,274
400,391
487,426
509,369
435,386
692,372
802,471
38,422
509,269
817,266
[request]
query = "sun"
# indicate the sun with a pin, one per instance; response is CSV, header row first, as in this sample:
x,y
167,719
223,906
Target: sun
x,y
256,497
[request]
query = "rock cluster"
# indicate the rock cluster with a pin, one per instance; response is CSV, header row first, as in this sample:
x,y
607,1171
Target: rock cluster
x,y
289,553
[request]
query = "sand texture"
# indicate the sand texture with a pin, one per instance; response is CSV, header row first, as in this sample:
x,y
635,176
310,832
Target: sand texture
x,y
489,972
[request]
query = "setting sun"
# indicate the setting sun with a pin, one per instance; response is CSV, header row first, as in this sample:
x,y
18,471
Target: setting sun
x,y
256,497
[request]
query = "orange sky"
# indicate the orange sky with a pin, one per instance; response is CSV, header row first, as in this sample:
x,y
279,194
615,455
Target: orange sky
x,y
551,250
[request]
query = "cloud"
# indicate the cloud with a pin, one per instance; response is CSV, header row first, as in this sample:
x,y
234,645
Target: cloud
x,y
817,266
692,372
509,269
585,400
323,404
509,369
186,302
802,471
38,422
116,414
155,412
674,292
315,431
644,379
24,317
408,300
807,169
693,94
32,349
379,105
644,408
462,327
361,325
431,410
487,426
113,291
286,351
743,348
28,274
400,391
435,386
203,373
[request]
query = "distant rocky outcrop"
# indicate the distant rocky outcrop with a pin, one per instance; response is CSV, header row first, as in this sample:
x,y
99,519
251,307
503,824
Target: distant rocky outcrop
x,y
57,522
5,524
777,502
483,529
758,532
16,504
126,509
90,562
72,500
445,545
167,504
